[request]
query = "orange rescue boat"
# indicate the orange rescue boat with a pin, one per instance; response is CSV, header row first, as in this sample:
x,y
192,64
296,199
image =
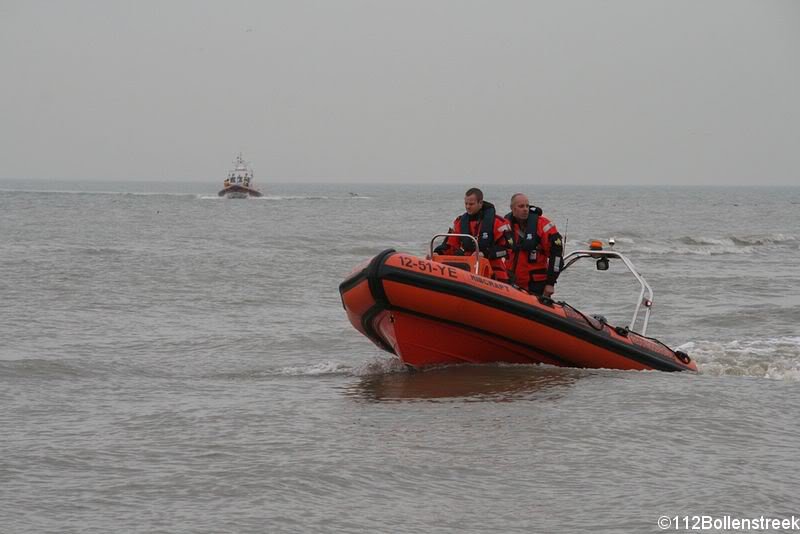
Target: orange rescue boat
x,y
449,310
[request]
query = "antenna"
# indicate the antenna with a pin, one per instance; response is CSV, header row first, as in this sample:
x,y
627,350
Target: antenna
x,y
566,227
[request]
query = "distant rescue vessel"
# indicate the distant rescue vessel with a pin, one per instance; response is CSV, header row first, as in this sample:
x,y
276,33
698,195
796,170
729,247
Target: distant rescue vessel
x,y
239,183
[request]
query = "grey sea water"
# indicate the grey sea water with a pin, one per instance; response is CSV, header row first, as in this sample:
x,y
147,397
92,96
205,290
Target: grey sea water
x,y
175,362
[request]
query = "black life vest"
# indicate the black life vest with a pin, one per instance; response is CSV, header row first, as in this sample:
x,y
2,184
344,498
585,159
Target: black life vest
x,y
485,231
530,240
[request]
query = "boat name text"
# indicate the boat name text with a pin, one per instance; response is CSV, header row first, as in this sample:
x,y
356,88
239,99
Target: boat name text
x,y
429,266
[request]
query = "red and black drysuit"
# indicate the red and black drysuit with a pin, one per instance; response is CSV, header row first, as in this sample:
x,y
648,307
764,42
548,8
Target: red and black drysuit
x,y
535,258
492,232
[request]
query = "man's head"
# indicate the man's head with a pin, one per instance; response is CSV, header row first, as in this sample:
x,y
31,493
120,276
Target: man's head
x,y
473,200
520,206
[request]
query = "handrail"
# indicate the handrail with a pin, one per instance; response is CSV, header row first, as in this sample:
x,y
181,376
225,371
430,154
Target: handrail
x,y
576,255
477,263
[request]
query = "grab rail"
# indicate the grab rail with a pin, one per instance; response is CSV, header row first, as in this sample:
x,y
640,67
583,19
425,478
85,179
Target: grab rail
x,y
647,302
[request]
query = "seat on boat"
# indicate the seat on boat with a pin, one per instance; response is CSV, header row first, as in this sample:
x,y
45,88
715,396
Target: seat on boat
x,y
472,264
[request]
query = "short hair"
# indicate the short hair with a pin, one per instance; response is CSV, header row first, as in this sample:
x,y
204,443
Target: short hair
x,y
474,191
515,195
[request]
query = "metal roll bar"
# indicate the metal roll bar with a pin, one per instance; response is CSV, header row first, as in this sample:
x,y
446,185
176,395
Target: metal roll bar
x,y
477,263
647,302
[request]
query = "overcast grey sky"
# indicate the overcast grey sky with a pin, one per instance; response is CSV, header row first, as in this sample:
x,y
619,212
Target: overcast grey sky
x,y
574,92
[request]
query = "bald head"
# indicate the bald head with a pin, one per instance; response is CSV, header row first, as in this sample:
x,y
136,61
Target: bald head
x,y
520,206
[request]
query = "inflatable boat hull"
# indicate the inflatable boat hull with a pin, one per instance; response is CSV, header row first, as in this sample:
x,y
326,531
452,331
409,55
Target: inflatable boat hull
x,y
430,313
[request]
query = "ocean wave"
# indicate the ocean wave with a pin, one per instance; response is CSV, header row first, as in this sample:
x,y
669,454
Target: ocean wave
x,y
274,198
295,197
715,246
376,366
317,369
705,241
739,240
39,368
380,366
773,239
771,358
261,198
312,197
699,245
698,251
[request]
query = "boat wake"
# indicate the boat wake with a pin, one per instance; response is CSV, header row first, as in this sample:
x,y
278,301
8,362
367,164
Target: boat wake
x,y
772,358
377,366
274,198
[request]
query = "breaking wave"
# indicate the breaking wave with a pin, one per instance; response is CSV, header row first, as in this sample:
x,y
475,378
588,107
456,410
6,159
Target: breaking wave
x,y
772,358
716,250
713,246
700,245
743,241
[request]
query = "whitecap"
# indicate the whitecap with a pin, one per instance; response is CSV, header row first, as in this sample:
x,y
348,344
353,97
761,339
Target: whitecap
x,y
380,366
772,358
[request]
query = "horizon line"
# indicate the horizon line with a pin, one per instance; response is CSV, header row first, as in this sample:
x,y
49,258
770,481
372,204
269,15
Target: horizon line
x,y
444,181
